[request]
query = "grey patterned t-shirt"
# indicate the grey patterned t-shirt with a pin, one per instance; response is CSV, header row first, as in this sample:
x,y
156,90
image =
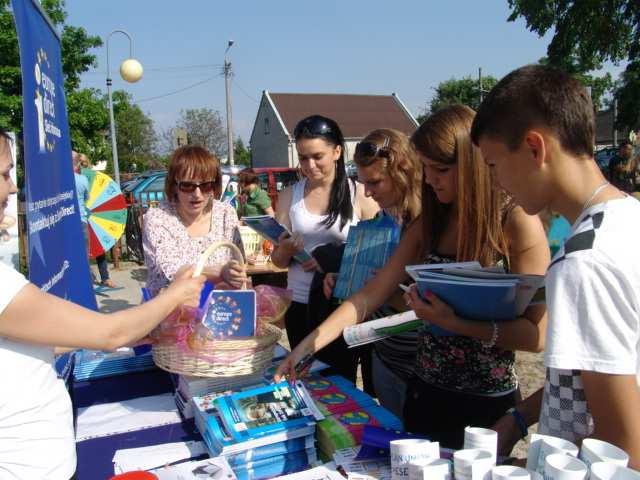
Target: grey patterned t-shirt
x,y
564,406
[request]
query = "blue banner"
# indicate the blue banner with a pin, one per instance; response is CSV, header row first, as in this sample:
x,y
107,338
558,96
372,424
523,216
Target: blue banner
x,y
58,261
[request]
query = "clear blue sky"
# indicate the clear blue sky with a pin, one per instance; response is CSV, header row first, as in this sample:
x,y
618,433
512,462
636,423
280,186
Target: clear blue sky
x,y
348,46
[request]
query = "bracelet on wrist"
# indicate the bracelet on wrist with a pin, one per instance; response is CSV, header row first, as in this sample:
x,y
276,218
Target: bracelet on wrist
x,y
494,337
520,422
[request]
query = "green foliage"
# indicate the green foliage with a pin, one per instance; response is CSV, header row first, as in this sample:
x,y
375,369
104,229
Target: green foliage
x,y
88,123
241,156
465,90
76,59
135,135
588,33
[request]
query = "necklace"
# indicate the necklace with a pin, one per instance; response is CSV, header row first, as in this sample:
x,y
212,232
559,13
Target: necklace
x,y
597,190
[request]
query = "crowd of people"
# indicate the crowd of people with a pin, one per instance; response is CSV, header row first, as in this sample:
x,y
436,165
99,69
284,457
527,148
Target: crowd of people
x,y
464,186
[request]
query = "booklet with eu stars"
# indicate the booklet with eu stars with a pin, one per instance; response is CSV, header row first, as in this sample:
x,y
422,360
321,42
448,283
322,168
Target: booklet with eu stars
x,y
476,292
271,229
267,410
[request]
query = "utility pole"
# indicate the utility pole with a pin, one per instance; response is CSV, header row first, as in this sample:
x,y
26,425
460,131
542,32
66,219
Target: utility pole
x,y
227,88
480,83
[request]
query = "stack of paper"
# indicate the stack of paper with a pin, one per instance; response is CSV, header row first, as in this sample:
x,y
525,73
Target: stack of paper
x,y
263,431
92,364
477,293
350,411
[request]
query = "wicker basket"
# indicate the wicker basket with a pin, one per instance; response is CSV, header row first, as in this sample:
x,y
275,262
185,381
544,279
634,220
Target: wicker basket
x,y
251,240
238,356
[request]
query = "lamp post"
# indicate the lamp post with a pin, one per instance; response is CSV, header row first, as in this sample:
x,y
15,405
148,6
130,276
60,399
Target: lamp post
x,y
130,71
227,78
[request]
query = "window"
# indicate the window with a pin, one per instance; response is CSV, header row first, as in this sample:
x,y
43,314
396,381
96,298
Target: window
x,y
267,126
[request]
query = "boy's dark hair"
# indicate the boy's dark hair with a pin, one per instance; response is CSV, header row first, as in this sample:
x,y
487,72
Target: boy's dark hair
x,y
624,143
247,178
538,96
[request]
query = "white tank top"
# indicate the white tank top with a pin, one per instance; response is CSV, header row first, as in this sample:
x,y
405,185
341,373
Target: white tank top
x,y
309,225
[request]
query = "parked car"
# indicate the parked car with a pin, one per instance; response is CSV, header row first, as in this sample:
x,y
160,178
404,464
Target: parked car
x,y
147,187
604,156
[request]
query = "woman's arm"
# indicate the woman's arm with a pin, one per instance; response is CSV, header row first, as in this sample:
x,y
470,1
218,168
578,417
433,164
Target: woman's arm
x,y
36,317
366,207
528,253
360,305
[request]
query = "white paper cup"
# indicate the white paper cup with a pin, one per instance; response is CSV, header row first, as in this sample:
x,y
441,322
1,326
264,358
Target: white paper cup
x,y
594,450
431,469
408,450
545,446
559,466
471,463
509,472
476,437
612,471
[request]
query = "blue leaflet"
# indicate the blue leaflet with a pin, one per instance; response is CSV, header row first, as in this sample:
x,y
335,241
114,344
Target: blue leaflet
x,y
369,245
231,313
269,228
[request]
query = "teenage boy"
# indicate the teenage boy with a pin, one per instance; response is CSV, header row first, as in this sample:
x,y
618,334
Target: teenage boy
x,y
536,128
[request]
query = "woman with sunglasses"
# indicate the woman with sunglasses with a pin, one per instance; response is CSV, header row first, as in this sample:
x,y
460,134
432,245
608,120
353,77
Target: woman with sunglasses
x,y
391,173
177,231
467,378
36,417
318,210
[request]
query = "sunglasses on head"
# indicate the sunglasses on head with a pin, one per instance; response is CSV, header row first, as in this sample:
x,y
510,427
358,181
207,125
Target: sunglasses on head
x,y
372,150
190,187
313,126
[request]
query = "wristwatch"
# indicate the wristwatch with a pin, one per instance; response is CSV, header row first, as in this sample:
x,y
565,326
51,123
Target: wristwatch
x,y
520,422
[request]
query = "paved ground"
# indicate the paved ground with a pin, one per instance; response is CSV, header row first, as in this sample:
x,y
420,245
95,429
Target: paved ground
x,y
132,277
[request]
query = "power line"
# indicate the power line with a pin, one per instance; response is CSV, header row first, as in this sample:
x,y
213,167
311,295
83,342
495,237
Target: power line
x,y
250,97
177,91
167,68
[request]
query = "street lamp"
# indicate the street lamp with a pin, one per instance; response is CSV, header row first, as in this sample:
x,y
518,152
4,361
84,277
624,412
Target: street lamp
x,y
130,71
227,78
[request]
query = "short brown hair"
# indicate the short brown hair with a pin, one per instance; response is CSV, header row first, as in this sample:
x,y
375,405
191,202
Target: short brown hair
x,y
247,177
192,161
536,96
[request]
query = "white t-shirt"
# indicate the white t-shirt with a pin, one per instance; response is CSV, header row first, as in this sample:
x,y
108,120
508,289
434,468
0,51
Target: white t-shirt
x,y
36,421
309,225
593,301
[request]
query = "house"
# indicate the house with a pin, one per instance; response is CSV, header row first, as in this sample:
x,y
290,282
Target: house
x,y
272,143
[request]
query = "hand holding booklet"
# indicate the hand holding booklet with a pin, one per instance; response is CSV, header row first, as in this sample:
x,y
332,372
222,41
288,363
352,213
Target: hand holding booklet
x,y
476,292
271,229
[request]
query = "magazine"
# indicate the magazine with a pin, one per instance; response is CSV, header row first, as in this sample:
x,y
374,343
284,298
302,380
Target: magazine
x,y
271,229
230,313
477,293
369,245
266,410
374,330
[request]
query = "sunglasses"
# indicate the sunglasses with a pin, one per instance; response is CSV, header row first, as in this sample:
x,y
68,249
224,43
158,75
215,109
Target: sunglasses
x,y
372,150
313,126
190,187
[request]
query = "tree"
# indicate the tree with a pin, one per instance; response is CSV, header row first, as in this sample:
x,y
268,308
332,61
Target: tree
x,y
76,59
588,33
89,123
465,90
135,135
241,155
204,127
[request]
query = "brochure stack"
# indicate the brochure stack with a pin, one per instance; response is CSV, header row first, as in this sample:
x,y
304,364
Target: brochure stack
x,y
347,411
265,431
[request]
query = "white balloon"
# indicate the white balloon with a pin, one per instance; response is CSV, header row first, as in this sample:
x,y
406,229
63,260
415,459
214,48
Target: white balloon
x,y
131,70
